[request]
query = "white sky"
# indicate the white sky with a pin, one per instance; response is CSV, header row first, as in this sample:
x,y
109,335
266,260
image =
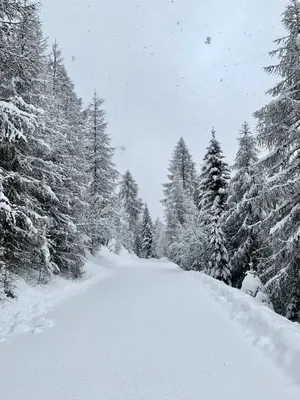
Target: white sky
x,y
148,60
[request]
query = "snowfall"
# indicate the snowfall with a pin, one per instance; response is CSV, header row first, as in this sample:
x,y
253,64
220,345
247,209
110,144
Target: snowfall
x,y
144,330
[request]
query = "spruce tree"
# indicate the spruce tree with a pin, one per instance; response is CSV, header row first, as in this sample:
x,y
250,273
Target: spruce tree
x,y
213,193
146,234
132,206
179,190
278,132
101,194
159,239
246,209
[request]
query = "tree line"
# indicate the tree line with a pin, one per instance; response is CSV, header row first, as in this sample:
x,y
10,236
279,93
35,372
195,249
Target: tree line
x,y
60,192
58,181
227,221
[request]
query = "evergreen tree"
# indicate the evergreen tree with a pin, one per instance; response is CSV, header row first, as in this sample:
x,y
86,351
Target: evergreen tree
x,y
191,243
132,206
213,193
245,209
25,194
179,190
159,239
278,132
102,204
182,166
214,179
64,128
146,234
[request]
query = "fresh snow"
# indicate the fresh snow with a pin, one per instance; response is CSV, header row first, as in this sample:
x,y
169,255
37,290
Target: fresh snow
x,y
277,337
151,331
27,312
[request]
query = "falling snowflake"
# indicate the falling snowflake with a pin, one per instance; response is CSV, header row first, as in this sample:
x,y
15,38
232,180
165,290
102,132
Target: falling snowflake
x,y
208,40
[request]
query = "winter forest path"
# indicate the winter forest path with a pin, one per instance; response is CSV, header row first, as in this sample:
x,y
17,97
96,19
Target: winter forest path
x,y
149,332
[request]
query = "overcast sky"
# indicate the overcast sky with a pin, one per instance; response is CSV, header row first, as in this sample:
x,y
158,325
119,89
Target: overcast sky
x,y
149,61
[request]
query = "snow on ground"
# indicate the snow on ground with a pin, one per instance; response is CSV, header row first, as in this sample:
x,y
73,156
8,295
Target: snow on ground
x,y
27,312
148,332
276,336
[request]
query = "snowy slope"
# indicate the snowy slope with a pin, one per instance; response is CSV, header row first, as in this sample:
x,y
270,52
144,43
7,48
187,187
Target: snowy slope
x,y
27,312
149,331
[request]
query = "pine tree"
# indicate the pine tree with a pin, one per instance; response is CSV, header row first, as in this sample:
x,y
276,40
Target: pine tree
x,y
278,132
102,205
213,193
246,209
132,206
146,234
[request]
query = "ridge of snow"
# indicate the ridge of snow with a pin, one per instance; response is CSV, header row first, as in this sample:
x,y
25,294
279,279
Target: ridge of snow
x,y
276,336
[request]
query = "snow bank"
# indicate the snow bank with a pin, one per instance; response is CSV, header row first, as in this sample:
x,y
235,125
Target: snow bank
x,y
27,312
278,337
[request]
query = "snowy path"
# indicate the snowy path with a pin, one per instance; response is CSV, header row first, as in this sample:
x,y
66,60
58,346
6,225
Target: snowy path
x,y
150,333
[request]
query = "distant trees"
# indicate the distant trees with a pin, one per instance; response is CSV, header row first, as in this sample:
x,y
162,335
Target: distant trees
x,y
132,207
194,206
101,190
179,191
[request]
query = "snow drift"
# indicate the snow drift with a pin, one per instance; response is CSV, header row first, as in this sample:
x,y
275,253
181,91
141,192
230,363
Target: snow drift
x,y
278,337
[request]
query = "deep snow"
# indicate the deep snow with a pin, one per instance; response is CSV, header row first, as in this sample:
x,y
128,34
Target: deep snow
x,y
148,331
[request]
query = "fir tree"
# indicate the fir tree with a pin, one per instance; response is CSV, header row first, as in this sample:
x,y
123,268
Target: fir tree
x,y
278,132
146,234
213,194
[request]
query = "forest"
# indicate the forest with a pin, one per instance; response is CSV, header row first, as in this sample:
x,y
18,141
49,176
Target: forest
x,y
61,194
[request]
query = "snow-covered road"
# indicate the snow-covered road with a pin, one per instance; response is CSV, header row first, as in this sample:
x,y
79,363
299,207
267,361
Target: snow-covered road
x,y
149,332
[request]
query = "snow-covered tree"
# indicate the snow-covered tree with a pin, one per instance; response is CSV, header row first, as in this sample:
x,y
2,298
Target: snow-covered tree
x,y
146,234
245,209
213,193
178,206
179,190
132,205
159,239
278,132
182,166
103,176
121,233
64,130
191,243
25,192
214,178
